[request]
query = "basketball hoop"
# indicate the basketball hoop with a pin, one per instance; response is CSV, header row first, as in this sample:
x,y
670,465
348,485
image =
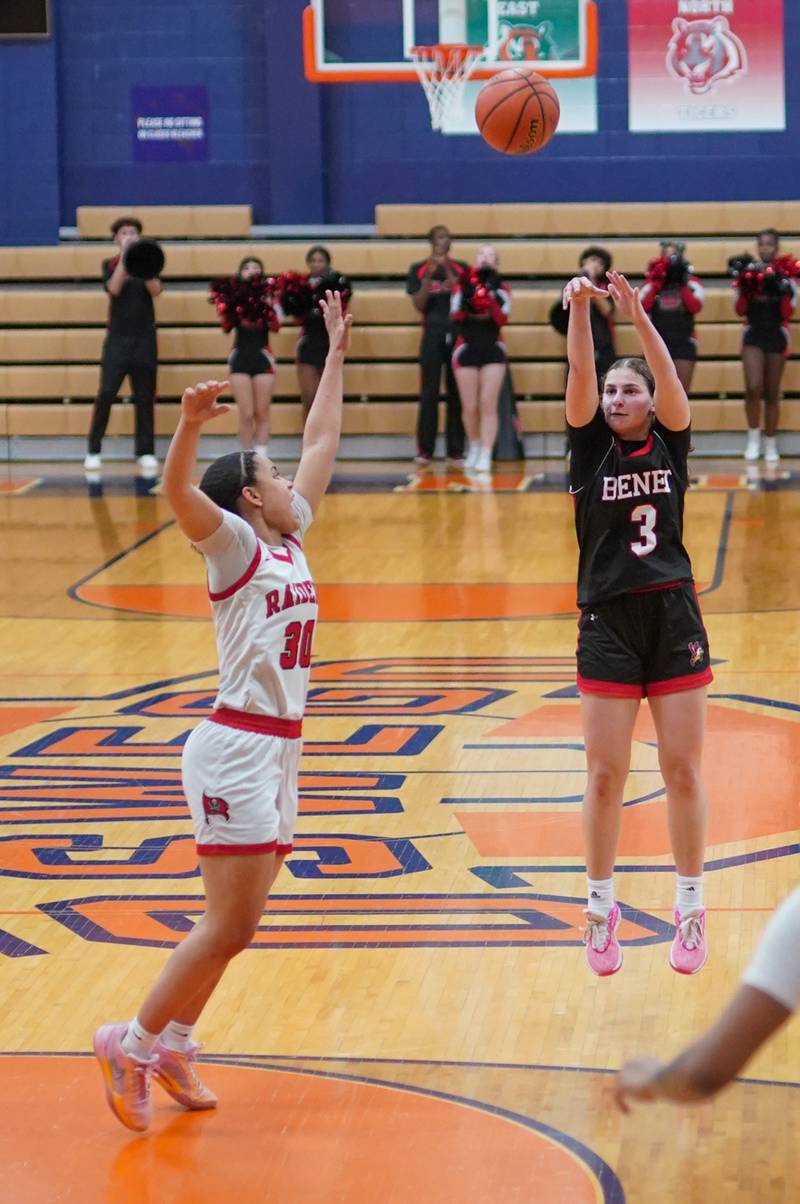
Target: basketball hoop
x,y
443,71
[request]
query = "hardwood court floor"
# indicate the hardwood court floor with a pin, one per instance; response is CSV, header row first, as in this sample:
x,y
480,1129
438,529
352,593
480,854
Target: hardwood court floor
x,y
414,1021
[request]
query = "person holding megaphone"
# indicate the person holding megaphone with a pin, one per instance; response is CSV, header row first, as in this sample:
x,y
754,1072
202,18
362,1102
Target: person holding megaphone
x,y
131,278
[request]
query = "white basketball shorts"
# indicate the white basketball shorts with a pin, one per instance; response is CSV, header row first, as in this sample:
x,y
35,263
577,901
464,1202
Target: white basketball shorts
x,y
241,787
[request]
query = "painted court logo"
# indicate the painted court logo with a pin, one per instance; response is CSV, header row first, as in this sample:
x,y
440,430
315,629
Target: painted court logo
x,y
701,53
696,653
214,805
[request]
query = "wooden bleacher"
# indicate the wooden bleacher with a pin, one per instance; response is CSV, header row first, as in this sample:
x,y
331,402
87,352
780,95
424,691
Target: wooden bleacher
x,y
679,219
53,308
170,221
370,259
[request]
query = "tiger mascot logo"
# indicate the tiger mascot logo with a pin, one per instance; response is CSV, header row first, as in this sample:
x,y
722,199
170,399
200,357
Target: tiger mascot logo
x,y
703,52
526,43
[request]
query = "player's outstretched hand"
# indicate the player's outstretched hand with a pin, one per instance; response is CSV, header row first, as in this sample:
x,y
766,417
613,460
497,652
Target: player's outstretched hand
x,y
637,1080
625,298
337,323
580,288
199,404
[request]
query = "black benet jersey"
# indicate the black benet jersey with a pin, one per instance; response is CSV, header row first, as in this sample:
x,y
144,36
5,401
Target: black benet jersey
x,y
628,509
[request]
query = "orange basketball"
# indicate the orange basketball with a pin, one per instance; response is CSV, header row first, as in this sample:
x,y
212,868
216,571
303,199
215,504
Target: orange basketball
x,y
517,111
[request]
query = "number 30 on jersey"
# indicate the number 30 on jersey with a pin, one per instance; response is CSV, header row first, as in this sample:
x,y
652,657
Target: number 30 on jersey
x,y
297,650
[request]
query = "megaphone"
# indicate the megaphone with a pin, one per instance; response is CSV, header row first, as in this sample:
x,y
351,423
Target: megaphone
x,y
144,259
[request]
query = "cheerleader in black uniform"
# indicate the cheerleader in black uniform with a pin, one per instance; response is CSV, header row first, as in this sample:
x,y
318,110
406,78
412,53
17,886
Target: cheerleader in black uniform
x,y
480,305
766,294
672,295
245,303
306,294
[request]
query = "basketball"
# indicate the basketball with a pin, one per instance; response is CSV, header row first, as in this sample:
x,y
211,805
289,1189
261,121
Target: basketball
x,y
517,111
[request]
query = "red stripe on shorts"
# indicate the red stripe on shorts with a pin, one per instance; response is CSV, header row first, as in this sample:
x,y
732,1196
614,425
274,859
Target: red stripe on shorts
x,y
610,689
235,850
265,725
673,685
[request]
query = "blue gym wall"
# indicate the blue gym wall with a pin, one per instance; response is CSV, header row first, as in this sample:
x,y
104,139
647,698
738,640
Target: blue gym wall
x,y
65,127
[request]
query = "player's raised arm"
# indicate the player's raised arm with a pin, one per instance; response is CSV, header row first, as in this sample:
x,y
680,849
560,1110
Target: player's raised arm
x,y
324,424
671,402
581,397
197,516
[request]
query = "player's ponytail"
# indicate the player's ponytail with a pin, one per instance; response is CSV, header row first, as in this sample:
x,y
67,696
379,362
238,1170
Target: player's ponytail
x,y
224,480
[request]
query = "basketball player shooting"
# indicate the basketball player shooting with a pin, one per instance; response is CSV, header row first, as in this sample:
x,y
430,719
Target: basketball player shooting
x,y
641,633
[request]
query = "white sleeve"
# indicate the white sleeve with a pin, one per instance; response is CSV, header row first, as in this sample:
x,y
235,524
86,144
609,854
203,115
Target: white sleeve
x,y
229,552
775,968
304,513
696,288
504,300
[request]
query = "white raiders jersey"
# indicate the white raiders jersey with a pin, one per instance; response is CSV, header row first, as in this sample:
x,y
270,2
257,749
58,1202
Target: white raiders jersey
x,y
265,611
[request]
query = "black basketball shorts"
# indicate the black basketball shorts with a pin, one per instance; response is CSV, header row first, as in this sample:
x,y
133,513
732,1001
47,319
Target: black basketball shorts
x,y
643,644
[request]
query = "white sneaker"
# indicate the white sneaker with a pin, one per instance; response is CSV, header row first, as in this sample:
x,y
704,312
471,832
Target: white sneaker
x,y
471,458
753,446
771,453
92,463
484,460
148,465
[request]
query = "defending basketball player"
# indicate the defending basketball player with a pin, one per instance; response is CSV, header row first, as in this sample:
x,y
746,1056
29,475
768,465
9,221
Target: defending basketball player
x,y
240,765
640,631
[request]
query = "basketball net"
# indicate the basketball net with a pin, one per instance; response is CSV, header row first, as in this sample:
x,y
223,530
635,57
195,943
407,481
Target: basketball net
x,y
443,71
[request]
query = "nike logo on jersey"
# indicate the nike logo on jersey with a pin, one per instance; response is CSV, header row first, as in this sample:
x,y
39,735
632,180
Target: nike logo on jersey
x,y
636,484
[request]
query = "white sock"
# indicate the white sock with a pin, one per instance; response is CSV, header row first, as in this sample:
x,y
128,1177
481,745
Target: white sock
x,y
262,449
688,894
138,1042
770,443
177,1036
600,896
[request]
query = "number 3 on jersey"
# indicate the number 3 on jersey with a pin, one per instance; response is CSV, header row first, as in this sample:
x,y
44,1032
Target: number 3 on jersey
x,y
297,649
646,517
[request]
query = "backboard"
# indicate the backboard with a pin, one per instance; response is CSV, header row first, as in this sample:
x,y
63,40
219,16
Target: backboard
x,y
369,41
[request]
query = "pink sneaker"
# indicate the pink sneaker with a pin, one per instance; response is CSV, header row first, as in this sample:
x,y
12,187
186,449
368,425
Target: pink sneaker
x,y
126,1079
689,950
602,947
175,1073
